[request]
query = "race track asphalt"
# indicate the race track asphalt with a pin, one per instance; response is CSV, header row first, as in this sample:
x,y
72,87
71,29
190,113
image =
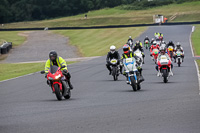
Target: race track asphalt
x,y
101,105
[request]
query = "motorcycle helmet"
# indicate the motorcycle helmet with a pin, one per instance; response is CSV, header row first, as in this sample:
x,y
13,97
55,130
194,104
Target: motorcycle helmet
x,y
162,50
112,49
130,37
178,45
154,43
170,42
137,43
53,55
126,48
164,42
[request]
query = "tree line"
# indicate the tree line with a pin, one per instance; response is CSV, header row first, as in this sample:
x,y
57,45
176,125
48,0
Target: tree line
x,y
28,10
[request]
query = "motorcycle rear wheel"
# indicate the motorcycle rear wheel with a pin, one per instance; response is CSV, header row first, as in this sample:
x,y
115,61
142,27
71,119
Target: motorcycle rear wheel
x,y
57,92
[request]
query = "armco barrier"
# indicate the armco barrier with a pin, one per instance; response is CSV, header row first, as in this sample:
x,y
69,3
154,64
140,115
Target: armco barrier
x,y
101,27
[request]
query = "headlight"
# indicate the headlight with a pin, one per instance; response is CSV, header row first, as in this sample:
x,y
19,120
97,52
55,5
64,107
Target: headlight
x,y
50,78
57,77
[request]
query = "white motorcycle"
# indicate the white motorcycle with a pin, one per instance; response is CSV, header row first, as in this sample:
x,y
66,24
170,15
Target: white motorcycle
x,y
130,67
179,58
139,54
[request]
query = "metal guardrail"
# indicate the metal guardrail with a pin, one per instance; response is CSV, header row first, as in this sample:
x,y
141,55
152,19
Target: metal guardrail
x,y
102,27
5,47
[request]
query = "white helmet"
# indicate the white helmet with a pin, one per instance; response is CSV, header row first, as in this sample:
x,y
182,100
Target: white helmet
x,y
154,42
130,37
112,49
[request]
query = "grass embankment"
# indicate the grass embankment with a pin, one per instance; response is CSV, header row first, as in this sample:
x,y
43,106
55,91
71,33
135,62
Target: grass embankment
x,y
12,36
8,70
196,40
188,11
15,37
96,42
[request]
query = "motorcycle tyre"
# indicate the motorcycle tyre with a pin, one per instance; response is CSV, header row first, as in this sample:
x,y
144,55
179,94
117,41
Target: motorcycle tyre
x,y
133,84
57,92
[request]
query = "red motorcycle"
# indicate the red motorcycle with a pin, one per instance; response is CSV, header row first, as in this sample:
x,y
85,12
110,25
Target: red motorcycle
x,y
154,54
164,67
58,82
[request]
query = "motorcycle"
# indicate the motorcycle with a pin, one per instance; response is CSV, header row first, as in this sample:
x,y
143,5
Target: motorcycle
x,y
58,82
114,69
130,43
139,54
164,67
171,51
130,66
155,55
146,44
160,38
179,58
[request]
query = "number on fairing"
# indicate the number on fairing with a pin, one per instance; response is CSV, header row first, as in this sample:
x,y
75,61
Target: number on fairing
x,y
129,60
163,57
113,61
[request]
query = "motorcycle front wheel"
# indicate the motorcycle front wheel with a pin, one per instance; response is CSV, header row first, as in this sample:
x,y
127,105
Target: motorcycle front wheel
x,y
179,62
57,92
165,75
133,84
114,73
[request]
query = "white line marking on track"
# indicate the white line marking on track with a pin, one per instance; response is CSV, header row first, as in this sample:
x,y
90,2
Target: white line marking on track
x,y
198,75
191,41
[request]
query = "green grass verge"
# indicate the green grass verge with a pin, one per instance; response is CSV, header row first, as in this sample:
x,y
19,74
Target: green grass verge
x,y
12,36
8,71
96,42
196,40
188,11
198,62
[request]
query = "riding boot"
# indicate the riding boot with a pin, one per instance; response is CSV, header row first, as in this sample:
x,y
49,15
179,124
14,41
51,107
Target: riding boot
x,y
109,69
70,84
127,80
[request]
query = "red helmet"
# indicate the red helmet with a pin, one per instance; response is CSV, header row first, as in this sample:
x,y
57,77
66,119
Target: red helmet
x,y
126,48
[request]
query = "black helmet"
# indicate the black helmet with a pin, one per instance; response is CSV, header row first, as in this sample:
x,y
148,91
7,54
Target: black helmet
x,y
53,55
170,42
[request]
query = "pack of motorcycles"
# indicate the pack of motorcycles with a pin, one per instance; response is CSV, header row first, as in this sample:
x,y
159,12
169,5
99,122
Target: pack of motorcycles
x,y
130,65
59,86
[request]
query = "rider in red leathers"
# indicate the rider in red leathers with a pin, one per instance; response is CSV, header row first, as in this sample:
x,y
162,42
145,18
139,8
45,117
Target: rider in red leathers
x,y
154,46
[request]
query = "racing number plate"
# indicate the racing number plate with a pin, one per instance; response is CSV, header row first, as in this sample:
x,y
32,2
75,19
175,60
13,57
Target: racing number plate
x,y
129,60
113,61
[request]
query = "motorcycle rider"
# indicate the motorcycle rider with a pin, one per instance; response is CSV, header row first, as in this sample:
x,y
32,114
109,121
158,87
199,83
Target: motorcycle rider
x,y
154,46
157,34
178,47
113,54
164,52
54,59
171,44
130,39
161,34
129,54
146,38
138,46
152,40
